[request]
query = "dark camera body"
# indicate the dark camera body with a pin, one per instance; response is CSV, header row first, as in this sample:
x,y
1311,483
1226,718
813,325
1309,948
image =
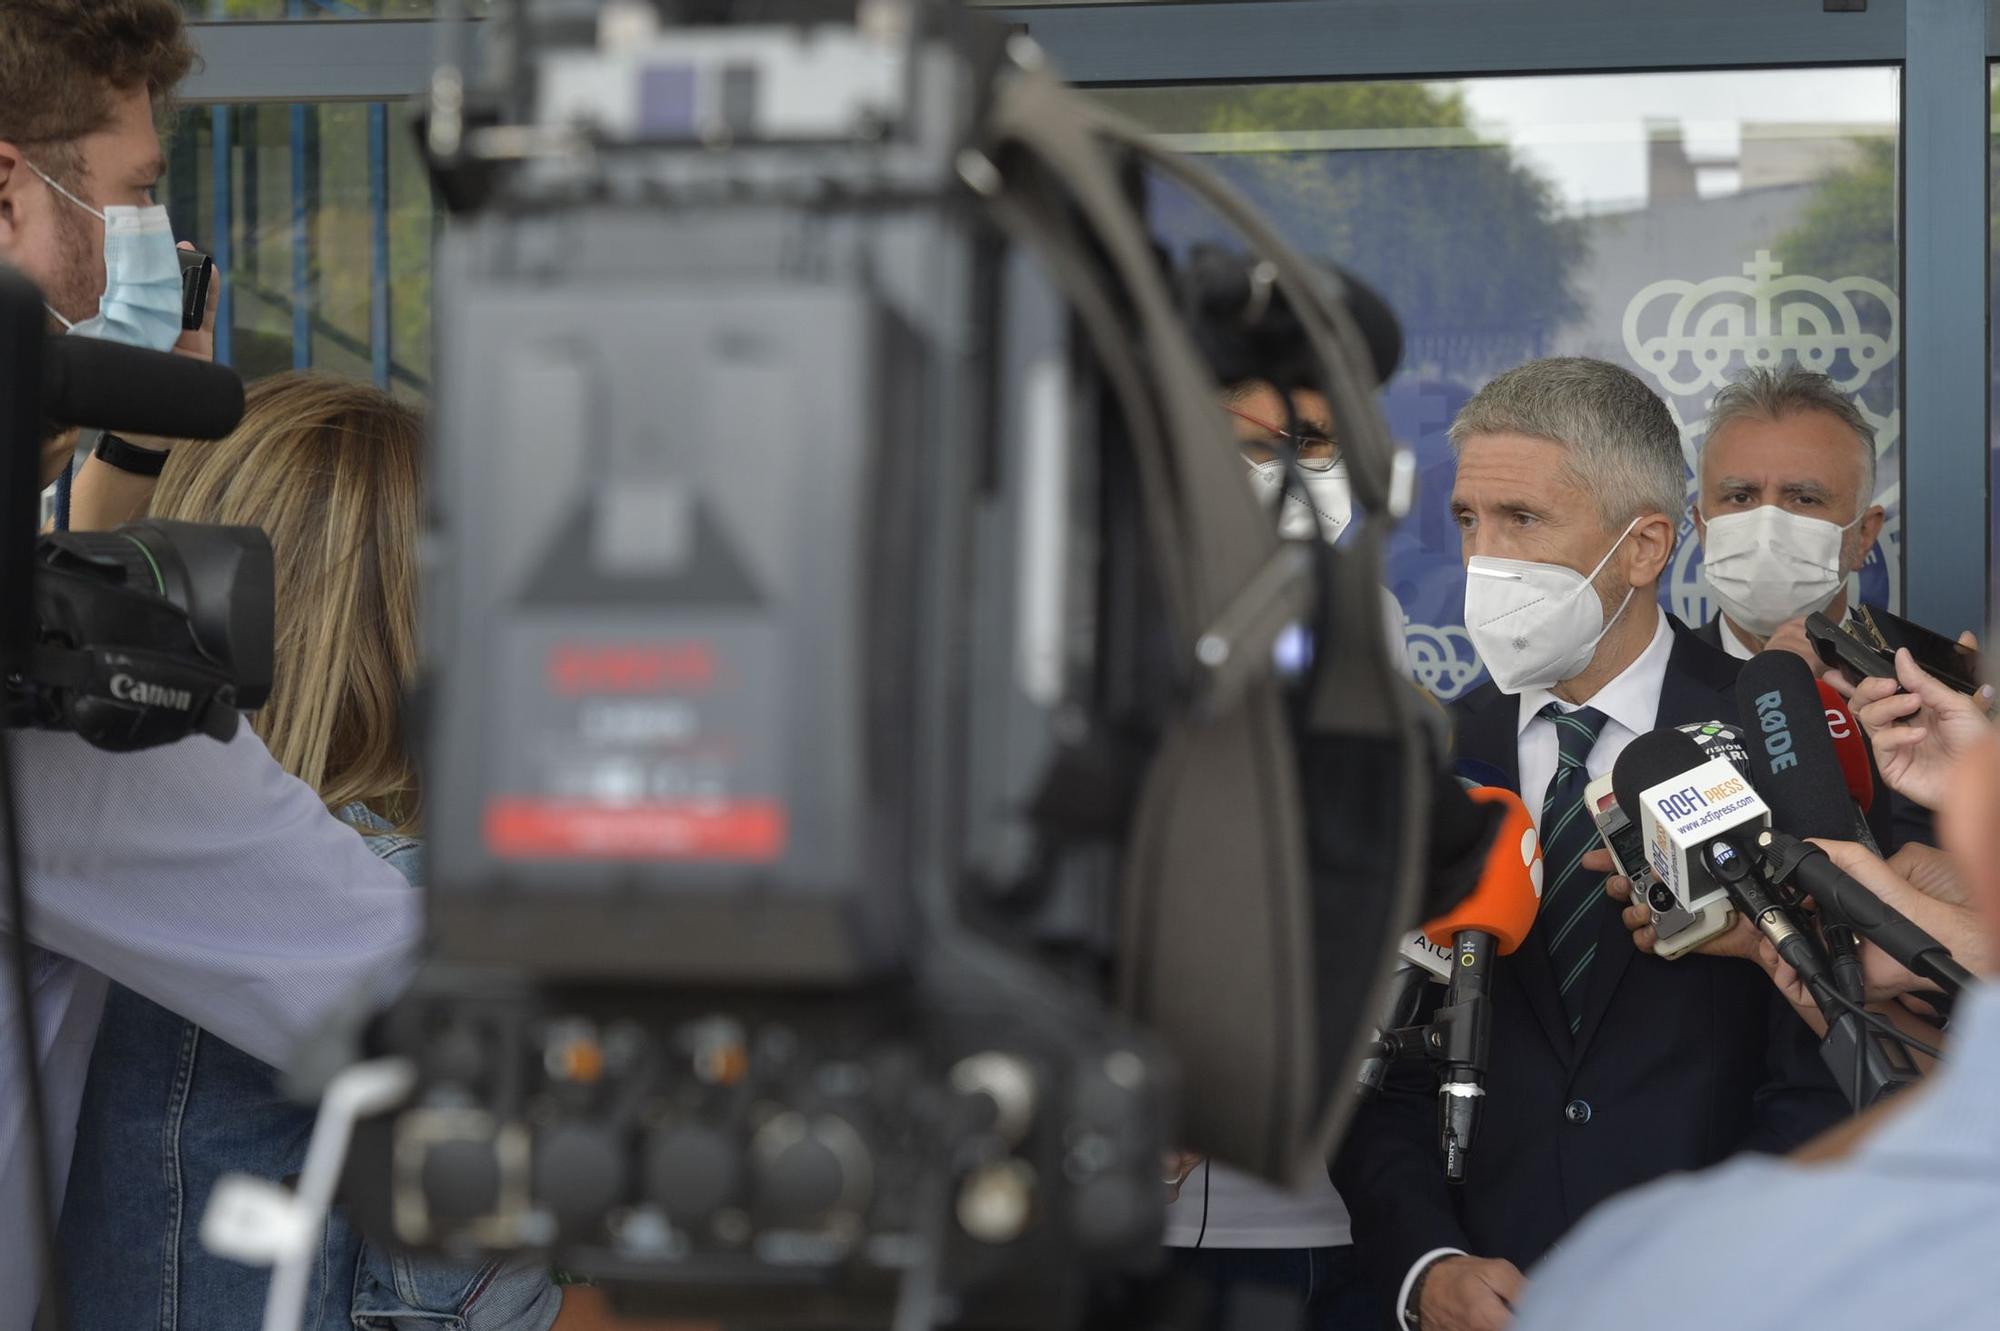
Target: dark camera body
x,y
148,633
197,273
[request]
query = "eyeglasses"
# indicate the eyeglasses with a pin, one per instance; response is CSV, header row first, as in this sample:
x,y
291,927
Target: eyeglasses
x,y
1315,451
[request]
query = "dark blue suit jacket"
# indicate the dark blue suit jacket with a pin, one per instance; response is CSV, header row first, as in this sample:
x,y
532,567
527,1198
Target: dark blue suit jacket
x,y
1677,1065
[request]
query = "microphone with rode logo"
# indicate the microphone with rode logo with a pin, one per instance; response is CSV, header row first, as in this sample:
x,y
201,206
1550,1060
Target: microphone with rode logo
x,y
1797,765
1794,767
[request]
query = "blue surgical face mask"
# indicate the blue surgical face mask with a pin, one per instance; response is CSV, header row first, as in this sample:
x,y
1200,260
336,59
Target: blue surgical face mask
x,y
141,305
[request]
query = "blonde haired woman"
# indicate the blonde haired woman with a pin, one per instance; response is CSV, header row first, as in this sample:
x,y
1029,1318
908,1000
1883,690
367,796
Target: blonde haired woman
x,y
331,471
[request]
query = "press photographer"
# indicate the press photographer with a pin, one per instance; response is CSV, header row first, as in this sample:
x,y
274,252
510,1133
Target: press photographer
x,y
197,873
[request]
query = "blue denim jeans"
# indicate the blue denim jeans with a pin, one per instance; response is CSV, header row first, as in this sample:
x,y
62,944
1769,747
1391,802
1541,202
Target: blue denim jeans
x,y
168,1110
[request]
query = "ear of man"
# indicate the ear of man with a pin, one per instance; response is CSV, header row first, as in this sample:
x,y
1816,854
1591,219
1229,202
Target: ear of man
x,y
1650,548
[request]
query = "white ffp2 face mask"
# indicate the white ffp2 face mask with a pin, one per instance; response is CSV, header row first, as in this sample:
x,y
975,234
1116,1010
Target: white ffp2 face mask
x,y
1536,625
1325,510
1769,566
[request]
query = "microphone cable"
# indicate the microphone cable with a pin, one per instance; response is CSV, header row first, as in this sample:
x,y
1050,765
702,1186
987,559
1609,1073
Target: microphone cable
x,y
1202,1233
1884,1026
19,955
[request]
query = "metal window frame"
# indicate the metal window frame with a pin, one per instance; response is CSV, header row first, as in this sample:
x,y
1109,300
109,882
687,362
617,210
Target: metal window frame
x,y
1942,46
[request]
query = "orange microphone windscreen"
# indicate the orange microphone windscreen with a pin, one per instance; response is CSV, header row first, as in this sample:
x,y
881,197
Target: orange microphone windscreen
x,y
1510,885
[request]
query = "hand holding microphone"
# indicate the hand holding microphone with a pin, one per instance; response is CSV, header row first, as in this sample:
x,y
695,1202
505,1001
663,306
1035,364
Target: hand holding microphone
x,y
1957,928
1740,940
1931,872
1790,636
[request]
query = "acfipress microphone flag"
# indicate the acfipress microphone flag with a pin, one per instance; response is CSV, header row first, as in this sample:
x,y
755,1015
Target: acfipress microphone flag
x,y
1682,801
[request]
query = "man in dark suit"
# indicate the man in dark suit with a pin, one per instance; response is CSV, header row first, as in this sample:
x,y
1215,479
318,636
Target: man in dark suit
x,y
1608,1068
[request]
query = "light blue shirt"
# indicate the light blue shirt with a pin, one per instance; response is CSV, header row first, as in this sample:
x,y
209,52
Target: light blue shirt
x,y
200,875
1903,1233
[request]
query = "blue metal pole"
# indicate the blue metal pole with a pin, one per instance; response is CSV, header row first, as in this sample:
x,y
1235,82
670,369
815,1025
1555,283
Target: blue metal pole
x,y
301,231
1946,518
219,240
301,237
378,209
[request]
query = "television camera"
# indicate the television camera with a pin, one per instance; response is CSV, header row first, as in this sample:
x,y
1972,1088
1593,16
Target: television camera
x,y
867,822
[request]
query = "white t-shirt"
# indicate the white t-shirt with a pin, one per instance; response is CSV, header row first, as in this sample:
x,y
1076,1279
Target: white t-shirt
x,y
1246,1212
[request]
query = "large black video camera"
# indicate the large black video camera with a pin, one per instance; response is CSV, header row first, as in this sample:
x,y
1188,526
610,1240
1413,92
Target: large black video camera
x,y
860,786
145,634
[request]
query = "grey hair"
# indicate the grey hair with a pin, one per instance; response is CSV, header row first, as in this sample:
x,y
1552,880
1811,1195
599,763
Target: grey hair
x,y
1772,395
1624,449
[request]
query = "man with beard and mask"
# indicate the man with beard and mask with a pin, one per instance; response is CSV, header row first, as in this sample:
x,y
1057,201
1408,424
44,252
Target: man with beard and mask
x,y
1242,1238
1787,473
1607,1068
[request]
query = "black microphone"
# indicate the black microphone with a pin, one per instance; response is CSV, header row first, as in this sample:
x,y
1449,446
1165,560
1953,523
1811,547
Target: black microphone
x,y
1727,859
1495,919
1737,871
1468,1039
1399,1009
101,385
1788,859
1793,760
1797,770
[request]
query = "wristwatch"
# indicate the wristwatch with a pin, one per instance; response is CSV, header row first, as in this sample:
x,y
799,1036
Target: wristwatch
x,y
129,457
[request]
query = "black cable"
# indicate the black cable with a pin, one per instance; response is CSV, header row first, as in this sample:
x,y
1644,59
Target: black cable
x,y
1881,1024
50,1314
1202,1233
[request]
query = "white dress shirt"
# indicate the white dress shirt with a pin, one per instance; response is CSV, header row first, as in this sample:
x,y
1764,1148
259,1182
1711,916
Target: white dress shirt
x,y
1733,643
1740,649
1631,707
200,875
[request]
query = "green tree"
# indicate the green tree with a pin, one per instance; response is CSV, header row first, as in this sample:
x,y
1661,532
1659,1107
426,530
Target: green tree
x,y
1849,227
1469,245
